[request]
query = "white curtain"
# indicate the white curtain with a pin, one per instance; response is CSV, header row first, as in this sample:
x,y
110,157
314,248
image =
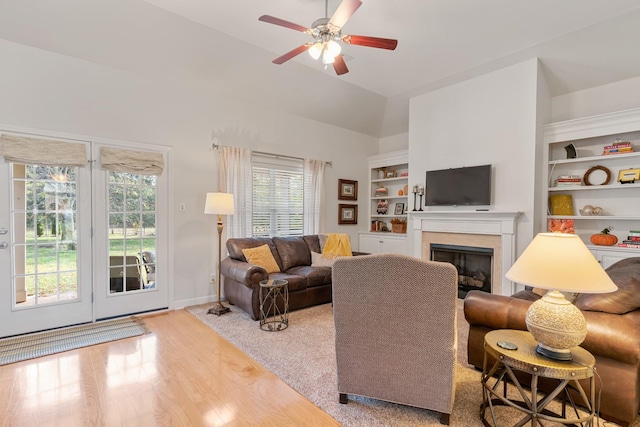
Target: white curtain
x,y
313,196
236,178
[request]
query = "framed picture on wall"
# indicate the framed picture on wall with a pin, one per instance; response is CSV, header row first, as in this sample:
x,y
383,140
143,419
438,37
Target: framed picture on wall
x,y
347,214
347,190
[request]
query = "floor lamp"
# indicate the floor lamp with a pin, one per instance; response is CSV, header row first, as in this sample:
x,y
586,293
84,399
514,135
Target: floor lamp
x,y
219,204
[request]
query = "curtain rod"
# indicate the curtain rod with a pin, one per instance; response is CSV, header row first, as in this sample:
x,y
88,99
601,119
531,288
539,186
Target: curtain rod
x,y
281,156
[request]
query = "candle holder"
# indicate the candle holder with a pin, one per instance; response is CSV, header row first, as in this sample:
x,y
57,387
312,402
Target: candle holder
x,y
415,193
420,202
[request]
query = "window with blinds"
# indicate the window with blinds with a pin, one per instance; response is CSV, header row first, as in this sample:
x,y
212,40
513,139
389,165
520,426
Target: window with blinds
x,y
278,190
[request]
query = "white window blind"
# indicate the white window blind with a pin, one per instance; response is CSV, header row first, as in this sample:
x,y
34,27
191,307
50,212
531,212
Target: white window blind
x,y
278,197
44,152
130,161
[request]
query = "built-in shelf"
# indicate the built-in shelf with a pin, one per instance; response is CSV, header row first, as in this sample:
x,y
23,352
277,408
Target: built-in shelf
x,y
380,238
619,201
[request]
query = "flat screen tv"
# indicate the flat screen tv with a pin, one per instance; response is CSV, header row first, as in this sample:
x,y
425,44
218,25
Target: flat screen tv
x,y
466,186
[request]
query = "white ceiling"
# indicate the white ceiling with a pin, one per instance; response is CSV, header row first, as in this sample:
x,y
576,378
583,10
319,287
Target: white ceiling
x,y
221,45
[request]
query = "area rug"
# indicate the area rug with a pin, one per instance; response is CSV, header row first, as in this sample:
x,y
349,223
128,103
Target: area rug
x,y
303,356
40,344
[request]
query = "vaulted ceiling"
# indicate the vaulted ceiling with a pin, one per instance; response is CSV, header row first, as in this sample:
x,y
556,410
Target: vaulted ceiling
x,y
221,45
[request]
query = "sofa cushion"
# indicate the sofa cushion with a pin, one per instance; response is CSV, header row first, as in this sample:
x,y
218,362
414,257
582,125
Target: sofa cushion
x,y
626,275
293,251
294,281
313,241
262,257
316,276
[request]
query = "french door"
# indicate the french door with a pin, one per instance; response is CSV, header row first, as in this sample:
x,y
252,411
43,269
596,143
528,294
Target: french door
x,y
45,235
79,244
130,238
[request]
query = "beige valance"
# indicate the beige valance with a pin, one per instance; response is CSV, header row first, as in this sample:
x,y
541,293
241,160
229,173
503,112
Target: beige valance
x,y
139,162
46,152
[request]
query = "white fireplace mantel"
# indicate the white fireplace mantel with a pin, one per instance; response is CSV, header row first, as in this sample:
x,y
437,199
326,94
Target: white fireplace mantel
x,y
502,224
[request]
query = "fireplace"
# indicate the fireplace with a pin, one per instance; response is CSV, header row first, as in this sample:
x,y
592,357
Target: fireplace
x,y
474,265
491,229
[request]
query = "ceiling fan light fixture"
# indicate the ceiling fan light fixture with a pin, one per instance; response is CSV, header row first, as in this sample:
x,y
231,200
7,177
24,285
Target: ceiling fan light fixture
x,y
316,50
333,48
327,58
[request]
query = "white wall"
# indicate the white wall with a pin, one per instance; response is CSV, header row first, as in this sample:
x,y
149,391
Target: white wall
x,y
492,119
394,143
618,96
48,91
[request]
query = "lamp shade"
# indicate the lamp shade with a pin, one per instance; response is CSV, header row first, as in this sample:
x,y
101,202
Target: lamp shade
x,y
561,262
219,203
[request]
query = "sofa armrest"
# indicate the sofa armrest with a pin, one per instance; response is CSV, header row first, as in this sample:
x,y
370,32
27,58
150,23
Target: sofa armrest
x,y
616,336
495,311
249,275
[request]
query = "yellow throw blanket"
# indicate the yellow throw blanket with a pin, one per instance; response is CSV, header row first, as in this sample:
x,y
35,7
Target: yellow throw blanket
x,y
337,245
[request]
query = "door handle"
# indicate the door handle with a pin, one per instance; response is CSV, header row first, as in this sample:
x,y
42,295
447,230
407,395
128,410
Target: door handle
x,y
3,231
4,245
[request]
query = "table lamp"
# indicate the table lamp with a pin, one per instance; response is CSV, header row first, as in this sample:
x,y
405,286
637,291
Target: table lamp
x,y
220,204
558,262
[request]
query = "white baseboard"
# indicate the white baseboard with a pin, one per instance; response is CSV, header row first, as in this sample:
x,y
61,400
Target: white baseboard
x,y
177,305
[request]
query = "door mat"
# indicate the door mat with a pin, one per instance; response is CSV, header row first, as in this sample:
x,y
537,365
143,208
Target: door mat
x,y
40,344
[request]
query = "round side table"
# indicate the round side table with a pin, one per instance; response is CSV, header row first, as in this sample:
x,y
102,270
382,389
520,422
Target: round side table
x,y
274,305
516,351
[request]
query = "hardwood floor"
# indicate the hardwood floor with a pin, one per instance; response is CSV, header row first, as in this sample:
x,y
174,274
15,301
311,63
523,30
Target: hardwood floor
x,y
182,374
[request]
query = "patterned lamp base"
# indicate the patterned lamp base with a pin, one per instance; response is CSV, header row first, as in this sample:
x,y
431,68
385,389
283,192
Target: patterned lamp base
x,y
557,325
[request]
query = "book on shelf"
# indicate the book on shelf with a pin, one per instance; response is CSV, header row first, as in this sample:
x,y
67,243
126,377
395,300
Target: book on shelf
x,y
634,233
629,245
569,177
568,181
632,238
618,151
617,145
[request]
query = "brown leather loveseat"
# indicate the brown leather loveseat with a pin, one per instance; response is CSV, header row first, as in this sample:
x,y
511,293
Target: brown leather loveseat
x,y
308,284
613,337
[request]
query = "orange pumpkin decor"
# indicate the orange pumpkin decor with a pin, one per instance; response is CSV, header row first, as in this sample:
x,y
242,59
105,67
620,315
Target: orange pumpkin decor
x,y
604,238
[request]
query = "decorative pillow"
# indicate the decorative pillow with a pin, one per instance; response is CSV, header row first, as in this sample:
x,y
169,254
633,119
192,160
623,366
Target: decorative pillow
x,y
626,275
262,256
317,260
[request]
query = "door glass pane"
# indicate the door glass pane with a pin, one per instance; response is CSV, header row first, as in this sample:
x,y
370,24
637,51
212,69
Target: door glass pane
x,y
132,226
43,209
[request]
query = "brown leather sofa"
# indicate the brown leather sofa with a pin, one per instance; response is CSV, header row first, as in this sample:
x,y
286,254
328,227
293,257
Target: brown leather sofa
x,y
308,285
613,335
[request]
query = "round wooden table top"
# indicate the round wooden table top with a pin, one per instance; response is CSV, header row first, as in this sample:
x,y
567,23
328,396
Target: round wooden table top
x,y
526,359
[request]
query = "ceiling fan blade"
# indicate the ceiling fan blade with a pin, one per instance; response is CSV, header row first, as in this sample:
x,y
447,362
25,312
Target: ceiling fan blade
x,y
277,21
371,41
344,12
340,66
295,52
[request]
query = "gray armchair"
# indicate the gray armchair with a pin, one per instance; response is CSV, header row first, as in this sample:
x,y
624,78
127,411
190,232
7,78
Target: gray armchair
x,y
395,319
